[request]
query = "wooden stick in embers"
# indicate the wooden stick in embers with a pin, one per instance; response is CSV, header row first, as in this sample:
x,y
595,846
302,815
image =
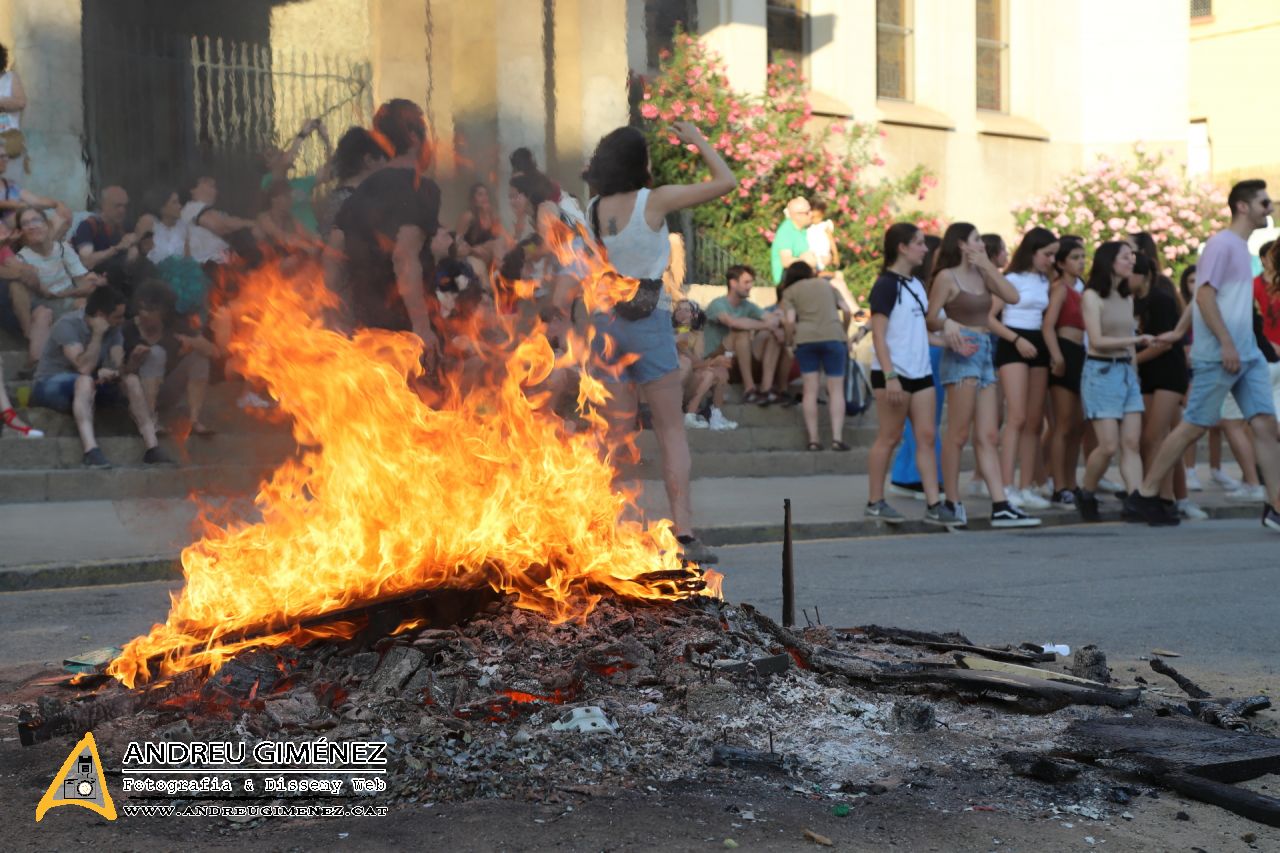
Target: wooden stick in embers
x,y
1195,691
788,569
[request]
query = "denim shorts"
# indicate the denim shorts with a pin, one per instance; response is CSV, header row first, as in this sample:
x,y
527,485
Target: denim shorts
x,y
652,339
1110,390
57,392
830,357
956,367
1251,388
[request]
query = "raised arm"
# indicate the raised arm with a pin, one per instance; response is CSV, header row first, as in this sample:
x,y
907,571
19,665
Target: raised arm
x,y
673,197
993,278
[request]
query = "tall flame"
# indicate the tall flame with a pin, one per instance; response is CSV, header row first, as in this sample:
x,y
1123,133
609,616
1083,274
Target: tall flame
x,y
398,490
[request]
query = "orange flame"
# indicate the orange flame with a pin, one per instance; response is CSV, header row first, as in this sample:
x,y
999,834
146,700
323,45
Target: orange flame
x,y
394,492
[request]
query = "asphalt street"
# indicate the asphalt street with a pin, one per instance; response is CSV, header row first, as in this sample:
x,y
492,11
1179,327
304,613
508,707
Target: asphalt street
x,y
1207,590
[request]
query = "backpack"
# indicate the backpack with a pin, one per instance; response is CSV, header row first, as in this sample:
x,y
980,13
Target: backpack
x,y
857,391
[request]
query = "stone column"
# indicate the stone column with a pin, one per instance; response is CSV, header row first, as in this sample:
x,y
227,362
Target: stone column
x,y
521,88
738,31
45,48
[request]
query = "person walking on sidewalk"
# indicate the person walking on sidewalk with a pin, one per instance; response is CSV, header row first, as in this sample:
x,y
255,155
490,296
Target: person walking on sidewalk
x,y
1224,356
901,374
635,342
1109,388
815,321
964,281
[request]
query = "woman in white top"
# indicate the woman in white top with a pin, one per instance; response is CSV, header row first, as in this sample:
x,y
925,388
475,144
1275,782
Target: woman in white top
x,y
629,220
63,278
13,100
163,219
1022,361
902,374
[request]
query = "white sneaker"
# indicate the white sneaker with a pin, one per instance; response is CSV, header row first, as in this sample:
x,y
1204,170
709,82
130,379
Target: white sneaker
x,y
1226,481
1190,511
1193,481
962,515
1109,487
978,489
252,400
1247,493
1014,497
1031,500
719,422
693,420
1045,489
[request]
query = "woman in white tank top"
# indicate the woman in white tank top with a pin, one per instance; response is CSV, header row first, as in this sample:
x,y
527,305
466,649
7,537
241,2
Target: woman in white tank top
x,y
629,220
1022,361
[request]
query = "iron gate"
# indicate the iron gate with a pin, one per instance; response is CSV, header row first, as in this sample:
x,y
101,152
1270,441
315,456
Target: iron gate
x,y
160,108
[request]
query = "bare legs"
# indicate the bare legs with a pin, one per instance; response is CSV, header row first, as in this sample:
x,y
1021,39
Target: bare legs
x,y
969,407
1125,436
835,405
664,397
41,325
1025,390
1068,431
892,417
1162,413
1241,443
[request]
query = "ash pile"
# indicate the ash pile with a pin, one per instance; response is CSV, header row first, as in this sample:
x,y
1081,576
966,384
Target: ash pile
x,y
506,704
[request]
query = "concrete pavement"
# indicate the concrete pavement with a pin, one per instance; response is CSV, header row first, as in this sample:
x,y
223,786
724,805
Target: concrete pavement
x,y
102,542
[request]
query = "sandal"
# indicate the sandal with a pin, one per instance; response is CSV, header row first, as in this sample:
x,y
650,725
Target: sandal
x,y
840,445
12,421
813,445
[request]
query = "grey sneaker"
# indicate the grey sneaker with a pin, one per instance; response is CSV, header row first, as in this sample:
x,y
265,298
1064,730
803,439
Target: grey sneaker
x,y
95,458
156,456
941,515
881,511
692,550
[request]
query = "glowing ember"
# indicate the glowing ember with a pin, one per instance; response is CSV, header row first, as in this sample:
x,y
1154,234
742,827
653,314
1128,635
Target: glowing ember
x,y
393,493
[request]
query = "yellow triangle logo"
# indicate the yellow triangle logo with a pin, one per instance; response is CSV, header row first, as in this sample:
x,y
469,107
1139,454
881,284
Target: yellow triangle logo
x,y
80,783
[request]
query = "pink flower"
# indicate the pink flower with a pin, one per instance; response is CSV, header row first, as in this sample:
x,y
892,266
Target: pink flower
x,y
649,111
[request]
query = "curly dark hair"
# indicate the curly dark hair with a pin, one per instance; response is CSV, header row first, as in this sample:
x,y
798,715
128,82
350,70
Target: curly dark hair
x,y
354,146
798,271
620,163
534,186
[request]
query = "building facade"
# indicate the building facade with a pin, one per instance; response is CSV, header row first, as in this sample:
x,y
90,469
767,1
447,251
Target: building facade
x,y
992,96
133,91
1232,45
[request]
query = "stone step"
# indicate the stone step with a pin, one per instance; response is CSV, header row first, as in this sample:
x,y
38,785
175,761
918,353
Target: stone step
x,y
756,439
66,451
778,463
40,485
779,416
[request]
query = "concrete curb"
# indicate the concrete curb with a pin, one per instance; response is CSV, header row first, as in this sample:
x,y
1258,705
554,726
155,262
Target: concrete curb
x,y
161,567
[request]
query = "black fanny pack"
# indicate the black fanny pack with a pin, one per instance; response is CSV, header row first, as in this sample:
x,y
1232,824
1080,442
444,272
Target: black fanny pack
x,y
647,294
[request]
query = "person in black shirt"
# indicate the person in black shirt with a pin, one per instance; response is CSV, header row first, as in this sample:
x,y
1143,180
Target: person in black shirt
x,y
386,226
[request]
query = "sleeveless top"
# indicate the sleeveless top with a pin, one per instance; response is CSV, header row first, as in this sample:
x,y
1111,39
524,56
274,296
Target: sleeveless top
x,y
1071,317
969,309
1033,292
638,251
8,121
1116,321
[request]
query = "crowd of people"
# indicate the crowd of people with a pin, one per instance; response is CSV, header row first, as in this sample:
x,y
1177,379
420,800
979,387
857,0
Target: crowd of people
x,y
1038,358
1114,360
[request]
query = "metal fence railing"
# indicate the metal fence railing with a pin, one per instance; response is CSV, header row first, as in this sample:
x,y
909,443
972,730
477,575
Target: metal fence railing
x,y
197,103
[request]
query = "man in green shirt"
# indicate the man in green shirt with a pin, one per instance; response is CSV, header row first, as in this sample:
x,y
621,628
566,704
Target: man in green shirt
x,y
734,323
790,244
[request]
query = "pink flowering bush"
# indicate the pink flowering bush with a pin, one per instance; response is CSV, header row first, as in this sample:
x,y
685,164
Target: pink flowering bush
x,y
1114,198
778,150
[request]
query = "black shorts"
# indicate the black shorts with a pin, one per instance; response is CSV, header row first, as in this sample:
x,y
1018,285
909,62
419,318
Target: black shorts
x,y
1007,352
1165,374
1073,354
911,386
